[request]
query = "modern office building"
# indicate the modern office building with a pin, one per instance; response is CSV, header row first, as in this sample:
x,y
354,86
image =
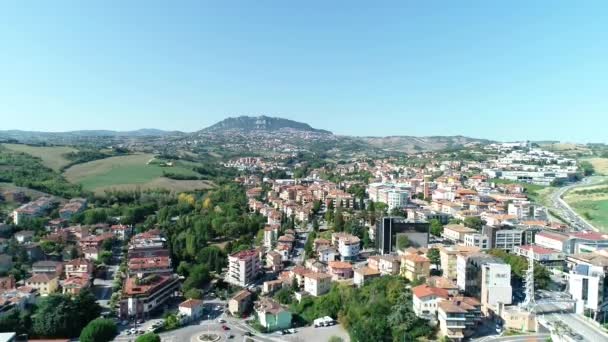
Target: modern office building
x,y
388,229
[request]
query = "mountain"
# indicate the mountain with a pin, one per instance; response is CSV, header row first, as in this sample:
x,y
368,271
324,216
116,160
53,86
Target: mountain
x,y
410,144
260,123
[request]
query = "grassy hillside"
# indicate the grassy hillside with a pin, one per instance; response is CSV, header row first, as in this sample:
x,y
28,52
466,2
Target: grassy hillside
x,y
52,156
129,172
600,165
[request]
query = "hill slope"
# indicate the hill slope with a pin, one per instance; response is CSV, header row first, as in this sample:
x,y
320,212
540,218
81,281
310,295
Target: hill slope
x,y
260,123
412,144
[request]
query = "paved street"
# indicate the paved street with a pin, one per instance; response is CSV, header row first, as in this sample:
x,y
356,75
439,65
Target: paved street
x,y
517,338
564,210
579,325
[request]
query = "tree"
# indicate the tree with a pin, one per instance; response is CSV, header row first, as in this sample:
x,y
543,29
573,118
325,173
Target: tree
x,y
284,296
403,242
149,337
339,221
199,276
474,222
433,255
99,330
436,227
335,339
105,257
194,294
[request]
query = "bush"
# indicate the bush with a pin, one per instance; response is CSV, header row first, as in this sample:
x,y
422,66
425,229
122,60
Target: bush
x,y
149,337
99,330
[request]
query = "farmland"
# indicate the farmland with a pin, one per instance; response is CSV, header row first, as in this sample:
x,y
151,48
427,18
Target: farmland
x,y
599,164
130,172
52,156
591,202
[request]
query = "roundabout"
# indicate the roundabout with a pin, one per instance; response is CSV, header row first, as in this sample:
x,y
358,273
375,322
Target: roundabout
x,y
209,337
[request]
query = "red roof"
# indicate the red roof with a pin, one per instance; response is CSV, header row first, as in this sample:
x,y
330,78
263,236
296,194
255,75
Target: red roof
x,y
590,236
424,290
553,236
191,303
538,249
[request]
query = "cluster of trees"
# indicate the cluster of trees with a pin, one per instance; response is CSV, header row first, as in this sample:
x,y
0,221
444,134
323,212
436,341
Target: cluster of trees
x,y
28,171
56,316
587,168
379,311
519,266
83,156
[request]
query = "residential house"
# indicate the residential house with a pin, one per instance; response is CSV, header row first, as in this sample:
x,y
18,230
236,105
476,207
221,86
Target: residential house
x,y
340,270
317,284
44,283
192,309
425,299
271,315
415,267
364,274
240,303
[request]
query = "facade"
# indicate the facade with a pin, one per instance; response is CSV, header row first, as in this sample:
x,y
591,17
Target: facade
x,y
456,232
146,266
458,317
448,258
589,287
44,283
75,284
191,308
78,267
317,283
272,315
348,245
340,270
551,240
425,299
385,264
243,267
480,241
496,284
47,267
549,258
415,267
240,303
364,274
142,296
388,228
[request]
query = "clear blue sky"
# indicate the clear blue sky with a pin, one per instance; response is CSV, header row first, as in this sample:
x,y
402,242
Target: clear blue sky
x,y
503,70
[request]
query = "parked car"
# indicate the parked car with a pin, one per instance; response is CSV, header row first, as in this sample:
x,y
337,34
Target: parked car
x,y
225,327
247,333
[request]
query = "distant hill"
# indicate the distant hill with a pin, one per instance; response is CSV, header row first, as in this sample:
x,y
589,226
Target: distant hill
x,y
412,144
34,136
260,123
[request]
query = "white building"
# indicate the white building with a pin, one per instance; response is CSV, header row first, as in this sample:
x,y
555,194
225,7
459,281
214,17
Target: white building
x,y
348,245
477,240
243,267
397,198
586,285
496,284
425,299
456,232
507,239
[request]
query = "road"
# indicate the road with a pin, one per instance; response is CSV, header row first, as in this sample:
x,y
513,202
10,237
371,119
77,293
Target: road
x,y
516,338
577,324
567,213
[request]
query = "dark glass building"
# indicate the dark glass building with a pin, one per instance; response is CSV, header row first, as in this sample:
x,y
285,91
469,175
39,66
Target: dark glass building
x,y
391,229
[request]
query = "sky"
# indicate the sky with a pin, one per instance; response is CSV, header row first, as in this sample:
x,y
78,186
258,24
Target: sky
x,y
510,70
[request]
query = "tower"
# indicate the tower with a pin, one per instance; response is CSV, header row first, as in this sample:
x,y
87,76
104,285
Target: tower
x,y
528,303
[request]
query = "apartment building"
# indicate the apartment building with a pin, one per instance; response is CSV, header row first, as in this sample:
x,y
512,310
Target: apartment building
x,y
340,270
141,296
243,267
45,284
414,267
486,277
550,258
480,241
348,245
448,258
588,285
240,303
317,284
456,232
146,266
385,264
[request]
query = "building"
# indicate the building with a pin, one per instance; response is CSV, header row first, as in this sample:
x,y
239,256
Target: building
x,y
443,283
271,315
78,267
271,233
486,277
32,209
589,287
74,206
24,236
364,274
191,308
48,267
74,285
142,267
327,253
317,284
425,299
340,270
274,261
389,228
44,283
385,264
458,317
549,258
415,267
480,241
456,232
348,245
243,267
448,258
505,239
240,303
272,286
551,240
141,296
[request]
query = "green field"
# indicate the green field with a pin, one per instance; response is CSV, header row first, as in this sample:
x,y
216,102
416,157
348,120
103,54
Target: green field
x,y
596,212
129,172
52,156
